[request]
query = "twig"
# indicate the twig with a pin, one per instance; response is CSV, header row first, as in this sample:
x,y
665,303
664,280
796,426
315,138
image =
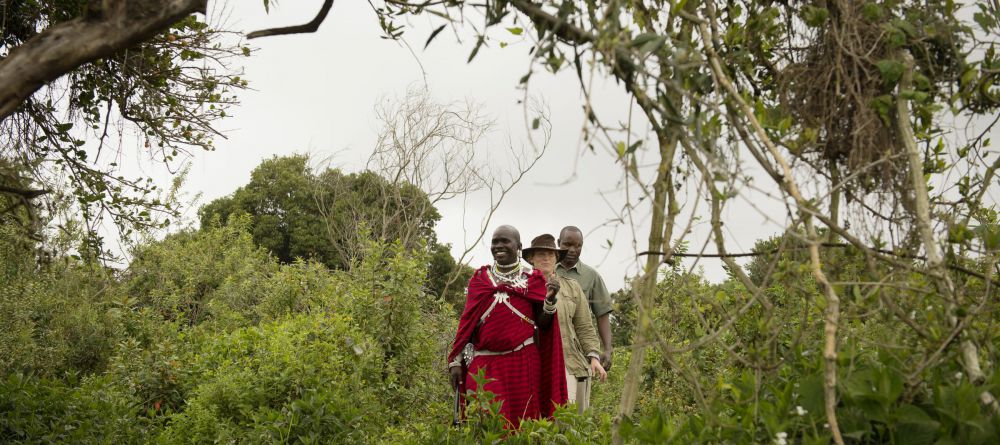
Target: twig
x,y
310,27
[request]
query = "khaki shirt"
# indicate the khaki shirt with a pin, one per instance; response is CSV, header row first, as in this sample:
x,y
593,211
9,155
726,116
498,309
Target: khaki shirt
x,y
579,338
591,283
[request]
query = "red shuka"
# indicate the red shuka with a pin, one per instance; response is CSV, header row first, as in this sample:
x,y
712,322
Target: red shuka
x,y
531,381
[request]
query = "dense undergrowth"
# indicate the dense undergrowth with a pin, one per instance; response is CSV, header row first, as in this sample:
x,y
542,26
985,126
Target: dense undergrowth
x,y
206,338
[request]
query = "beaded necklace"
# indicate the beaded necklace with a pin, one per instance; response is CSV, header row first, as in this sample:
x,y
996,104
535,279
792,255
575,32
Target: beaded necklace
x,y
514,277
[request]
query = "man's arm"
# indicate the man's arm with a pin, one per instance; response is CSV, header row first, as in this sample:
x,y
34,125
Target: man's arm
x,y
600,301
604,328
586,333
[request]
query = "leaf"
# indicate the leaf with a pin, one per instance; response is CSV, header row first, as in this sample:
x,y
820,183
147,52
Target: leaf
x,y
632,148
890,70
968,77
535,123
516,30
871,12
653,45
62,128
883,105
814,16
915,426
479,43
620,147
913,415
859,385
905,26
986,22
643,39
433,35
916,96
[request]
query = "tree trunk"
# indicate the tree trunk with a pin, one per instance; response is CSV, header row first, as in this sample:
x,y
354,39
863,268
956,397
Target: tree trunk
x,y
120,24
658,234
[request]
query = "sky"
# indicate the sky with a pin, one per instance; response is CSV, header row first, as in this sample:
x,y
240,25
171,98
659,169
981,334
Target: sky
x,y
316,94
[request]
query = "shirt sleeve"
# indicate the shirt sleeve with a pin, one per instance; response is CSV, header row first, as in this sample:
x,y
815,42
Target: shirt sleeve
x,y
586,332
600,298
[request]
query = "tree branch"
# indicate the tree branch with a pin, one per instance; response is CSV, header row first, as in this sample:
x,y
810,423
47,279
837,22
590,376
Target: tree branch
x,y
310,27
64,47
24,193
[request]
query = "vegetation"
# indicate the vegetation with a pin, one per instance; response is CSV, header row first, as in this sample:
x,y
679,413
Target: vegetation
x,y
325,216
871,319
162,95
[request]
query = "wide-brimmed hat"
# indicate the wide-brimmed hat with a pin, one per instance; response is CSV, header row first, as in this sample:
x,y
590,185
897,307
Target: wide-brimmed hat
x,y
544,242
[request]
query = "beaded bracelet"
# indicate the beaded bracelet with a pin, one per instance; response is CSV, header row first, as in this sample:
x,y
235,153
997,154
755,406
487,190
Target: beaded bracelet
x,y
548,308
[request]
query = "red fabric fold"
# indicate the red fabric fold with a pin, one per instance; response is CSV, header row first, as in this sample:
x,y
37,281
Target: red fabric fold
x,y
479,297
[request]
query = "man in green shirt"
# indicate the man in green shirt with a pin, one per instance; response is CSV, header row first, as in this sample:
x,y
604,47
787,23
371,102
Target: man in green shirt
x,y
571,239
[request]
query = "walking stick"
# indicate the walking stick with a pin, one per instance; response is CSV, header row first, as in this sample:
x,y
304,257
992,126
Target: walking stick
x,y
456,416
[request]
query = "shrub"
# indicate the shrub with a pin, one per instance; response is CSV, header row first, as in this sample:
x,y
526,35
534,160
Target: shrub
x,y
42,410
298,379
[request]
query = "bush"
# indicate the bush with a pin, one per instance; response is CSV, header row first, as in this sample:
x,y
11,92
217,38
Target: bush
x,y
299,379
194,277
58,319
42,410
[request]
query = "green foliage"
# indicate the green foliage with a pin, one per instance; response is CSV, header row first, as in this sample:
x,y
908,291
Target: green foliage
x,y
299,353
790,404
56,320
761,378
169,89
286,219
40,410
483,423
300,379
207,338
192,277
298,214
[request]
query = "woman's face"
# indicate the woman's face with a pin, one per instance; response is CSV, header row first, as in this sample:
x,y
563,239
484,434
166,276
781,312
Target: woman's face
x,y
544,260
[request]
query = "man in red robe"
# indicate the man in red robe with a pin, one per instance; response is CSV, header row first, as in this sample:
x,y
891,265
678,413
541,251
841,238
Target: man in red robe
x,y
510,322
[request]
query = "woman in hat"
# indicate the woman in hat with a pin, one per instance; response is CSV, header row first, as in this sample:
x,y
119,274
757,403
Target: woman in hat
x,y
581,346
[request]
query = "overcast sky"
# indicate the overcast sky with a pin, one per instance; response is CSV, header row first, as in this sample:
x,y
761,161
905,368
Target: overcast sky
x,y
316,94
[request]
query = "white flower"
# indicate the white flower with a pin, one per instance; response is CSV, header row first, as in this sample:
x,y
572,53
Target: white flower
x,y
826,425
801,411
958,375
781,438
913,314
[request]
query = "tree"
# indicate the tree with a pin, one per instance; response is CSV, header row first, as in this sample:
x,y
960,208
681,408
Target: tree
x,y
285,219
330,216
76,72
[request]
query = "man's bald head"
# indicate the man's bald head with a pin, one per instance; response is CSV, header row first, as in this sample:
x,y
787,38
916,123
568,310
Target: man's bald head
x,y
508,231
506,245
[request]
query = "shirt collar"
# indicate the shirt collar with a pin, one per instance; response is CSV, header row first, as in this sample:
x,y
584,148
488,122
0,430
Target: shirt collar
x,y
568,268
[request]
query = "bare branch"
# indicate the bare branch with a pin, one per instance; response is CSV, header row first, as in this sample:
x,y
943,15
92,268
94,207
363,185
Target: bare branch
x,y
310,27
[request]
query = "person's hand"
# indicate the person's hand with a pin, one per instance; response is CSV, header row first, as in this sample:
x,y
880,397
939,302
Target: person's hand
x,y
597,369
456,376
606,359
553,287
